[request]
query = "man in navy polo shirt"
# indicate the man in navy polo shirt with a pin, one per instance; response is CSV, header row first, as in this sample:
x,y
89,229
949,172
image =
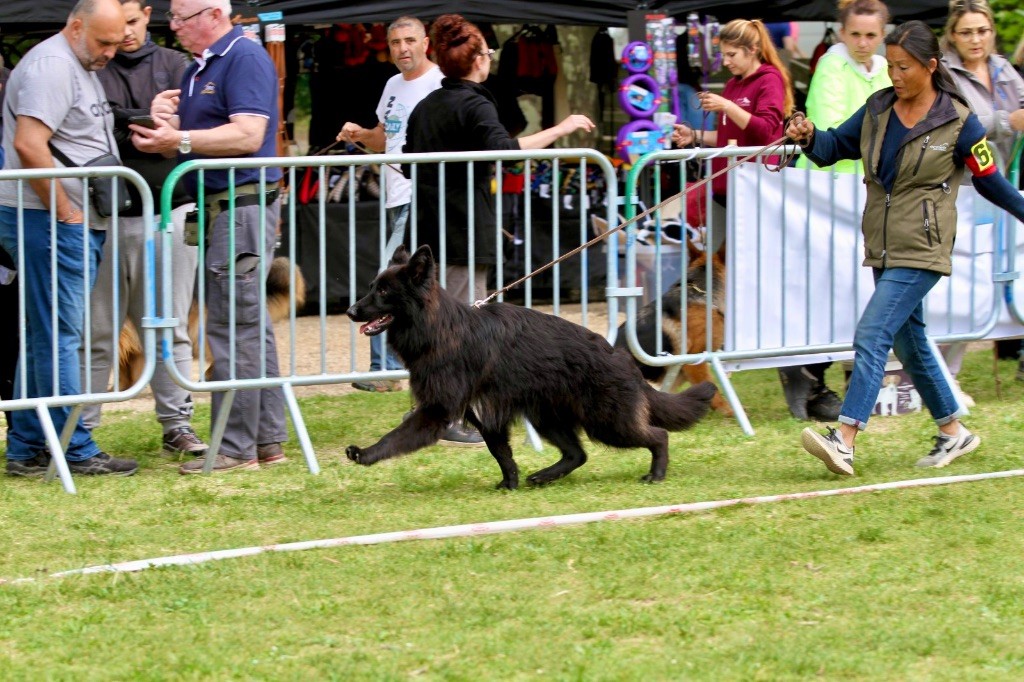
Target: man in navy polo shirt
x,y
227,107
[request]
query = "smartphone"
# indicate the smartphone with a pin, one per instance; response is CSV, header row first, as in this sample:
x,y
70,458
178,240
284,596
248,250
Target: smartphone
x,y
144,121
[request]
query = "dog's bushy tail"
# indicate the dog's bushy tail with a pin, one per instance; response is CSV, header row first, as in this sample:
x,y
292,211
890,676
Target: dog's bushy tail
x,y
279,285
677,411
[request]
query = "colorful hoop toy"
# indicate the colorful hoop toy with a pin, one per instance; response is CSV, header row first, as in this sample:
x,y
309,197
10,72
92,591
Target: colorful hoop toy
x,y
640,95
637,57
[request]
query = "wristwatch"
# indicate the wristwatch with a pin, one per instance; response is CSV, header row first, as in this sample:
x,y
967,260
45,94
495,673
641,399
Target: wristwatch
x,y
185,146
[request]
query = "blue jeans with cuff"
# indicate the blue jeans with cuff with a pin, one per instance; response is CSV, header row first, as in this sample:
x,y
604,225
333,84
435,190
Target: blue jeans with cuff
x,y
894,318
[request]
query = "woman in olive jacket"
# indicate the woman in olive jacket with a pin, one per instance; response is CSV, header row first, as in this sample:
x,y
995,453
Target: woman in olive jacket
x,y
915,140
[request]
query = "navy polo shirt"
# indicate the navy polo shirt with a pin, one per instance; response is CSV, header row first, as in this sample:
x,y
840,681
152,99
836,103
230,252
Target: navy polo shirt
x,y
233,76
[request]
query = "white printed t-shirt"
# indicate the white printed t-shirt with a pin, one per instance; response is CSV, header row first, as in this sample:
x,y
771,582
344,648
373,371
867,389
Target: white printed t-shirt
x,y
400,97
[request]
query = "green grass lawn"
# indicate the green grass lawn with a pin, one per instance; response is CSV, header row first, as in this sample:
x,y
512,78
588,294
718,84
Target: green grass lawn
x,y
913,584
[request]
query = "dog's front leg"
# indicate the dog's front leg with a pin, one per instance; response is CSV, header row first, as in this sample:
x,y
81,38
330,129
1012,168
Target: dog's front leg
x,y
420,429
498,443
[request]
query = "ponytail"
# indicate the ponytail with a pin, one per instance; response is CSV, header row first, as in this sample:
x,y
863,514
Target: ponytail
x,y
754,36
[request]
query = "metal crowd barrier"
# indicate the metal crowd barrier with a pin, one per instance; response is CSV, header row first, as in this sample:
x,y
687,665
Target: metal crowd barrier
x,y
770,253
334,225
1010,276
51,397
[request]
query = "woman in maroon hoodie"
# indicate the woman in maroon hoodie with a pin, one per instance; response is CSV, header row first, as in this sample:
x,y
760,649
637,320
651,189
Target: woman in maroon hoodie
x,y
752,106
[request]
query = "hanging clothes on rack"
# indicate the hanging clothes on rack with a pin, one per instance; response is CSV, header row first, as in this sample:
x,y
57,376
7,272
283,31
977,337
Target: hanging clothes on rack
x,y
604,73
529,62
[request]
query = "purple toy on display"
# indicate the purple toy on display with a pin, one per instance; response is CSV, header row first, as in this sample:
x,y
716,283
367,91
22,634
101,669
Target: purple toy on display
x,y
637,138
640,95
637,57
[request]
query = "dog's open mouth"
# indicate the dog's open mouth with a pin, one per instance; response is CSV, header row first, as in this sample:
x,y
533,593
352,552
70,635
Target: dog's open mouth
x,y
378,326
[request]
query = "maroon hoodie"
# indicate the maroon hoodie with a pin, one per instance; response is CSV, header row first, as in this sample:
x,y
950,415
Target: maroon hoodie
x,y
763,95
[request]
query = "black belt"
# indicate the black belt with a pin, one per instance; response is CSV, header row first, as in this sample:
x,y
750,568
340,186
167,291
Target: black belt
x,y
249,200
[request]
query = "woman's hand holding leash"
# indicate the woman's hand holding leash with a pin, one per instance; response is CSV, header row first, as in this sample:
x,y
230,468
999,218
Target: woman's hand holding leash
x,y
709,101
800,129
682,135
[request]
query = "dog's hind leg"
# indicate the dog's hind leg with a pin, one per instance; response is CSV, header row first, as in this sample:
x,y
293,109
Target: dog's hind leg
x,y
627,434
568,443
659,456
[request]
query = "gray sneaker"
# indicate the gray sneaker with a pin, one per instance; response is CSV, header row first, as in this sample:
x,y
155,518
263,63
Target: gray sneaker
x,y
104,465
220,464
830,449
948,448
461,435
31,468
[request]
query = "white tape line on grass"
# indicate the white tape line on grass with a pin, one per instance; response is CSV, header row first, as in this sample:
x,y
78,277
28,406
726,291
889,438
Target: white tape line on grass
x,y
471,529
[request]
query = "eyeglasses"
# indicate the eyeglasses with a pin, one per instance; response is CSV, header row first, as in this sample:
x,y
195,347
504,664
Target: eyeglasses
x,y
175,19
487,53
969,33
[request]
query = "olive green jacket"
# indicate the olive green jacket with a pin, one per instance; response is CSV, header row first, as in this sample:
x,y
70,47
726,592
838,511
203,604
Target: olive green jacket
x,y
914,225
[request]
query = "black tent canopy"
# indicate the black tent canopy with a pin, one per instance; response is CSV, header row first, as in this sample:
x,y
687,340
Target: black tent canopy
x,y
17,14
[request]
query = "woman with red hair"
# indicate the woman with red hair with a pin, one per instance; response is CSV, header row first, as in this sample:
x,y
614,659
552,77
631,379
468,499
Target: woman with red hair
x,y
463,116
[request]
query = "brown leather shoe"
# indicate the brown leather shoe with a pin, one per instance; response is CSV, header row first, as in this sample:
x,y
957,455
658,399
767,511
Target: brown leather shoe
x,y
220,464
270,453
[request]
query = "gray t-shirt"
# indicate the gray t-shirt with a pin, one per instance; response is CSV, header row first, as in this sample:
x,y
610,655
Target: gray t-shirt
x,y
51,85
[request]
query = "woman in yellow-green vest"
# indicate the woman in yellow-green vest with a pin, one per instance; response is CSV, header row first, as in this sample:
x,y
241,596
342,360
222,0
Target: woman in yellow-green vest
x,y
851,69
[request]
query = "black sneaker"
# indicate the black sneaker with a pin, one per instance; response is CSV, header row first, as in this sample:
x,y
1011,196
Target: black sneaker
x,y
824,404
461,435
31,468
104,465
184,441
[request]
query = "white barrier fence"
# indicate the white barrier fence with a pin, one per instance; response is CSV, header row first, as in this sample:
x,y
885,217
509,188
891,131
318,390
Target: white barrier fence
x,y
62,322
311,231
794,285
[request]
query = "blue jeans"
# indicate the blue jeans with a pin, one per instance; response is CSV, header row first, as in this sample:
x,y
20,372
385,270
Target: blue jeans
x,y
398,217
894,318
25,435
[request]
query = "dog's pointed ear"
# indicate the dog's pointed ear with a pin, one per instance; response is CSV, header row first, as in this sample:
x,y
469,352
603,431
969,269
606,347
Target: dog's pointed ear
x,y
421,265
400,257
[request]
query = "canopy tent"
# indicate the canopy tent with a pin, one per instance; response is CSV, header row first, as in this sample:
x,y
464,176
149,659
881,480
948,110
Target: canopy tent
x,y
22,14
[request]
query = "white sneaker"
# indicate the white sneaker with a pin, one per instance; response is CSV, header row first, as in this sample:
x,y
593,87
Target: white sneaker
x,y
830,449
948,448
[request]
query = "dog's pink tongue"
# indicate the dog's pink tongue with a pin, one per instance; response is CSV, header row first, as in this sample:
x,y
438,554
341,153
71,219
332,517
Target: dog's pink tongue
x,y
362,328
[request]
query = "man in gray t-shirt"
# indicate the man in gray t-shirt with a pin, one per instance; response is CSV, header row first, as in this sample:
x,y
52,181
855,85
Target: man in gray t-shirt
x,y
54,97
65,101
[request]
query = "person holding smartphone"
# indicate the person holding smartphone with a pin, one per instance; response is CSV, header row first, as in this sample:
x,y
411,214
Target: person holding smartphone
x,y
139,71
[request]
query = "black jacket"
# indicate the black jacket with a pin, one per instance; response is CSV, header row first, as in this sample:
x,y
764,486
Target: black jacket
x,y
461,116
131,80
